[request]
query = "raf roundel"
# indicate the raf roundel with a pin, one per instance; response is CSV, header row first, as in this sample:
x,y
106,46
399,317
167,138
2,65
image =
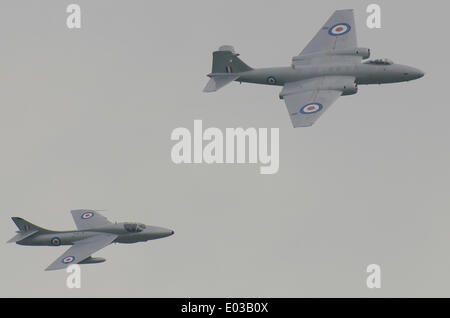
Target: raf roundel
x,y
87,215
339,29
311,108
56,241
68,259
271,80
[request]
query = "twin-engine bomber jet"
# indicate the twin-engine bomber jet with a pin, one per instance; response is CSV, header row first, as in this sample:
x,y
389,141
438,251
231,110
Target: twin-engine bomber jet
x,y
94,233
328,67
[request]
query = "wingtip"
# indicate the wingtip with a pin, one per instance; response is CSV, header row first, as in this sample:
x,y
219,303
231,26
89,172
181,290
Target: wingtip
x,y
49,268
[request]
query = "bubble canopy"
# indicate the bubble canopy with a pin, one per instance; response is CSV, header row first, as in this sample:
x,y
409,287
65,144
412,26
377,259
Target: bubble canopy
x,y
134,227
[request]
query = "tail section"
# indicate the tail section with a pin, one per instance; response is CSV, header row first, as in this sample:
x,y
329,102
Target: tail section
x,y
24,225
26,229
225,60
218,81
226,67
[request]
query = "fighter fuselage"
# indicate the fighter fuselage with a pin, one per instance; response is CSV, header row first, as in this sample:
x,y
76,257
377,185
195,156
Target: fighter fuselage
x,y
56,238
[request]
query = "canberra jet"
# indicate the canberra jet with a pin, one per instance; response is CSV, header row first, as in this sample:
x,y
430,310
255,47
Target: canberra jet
x,y
330,66
94,233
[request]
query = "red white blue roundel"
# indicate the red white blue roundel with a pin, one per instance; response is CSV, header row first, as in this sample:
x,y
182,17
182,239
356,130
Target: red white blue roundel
x,y
87,215
56,241
271,80
339,29
68,259
311,108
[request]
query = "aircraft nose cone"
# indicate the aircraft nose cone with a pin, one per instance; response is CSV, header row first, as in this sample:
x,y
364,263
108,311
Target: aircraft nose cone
x,y
418,73
412,73
158,232
421,74
167,232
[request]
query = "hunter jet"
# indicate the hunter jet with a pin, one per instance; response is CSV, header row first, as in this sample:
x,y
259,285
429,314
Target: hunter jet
x,y
94,233
329,66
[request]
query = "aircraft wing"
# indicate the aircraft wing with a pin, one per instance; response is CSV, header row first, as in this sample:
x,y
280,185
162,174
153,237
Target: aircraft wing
x,y
88,219
338,33
81,250
307,100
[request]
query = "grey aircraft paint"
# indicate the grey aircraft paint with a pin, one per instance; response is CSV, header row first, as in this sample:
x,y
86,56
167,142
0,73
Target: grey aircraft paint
x,y
364,74
330,66
94,233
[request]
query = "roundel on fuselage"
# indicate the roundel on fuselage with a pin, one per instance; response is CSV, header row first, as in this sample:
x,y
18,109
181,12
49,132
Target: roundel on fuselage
x,y
271,80
56,241
339,29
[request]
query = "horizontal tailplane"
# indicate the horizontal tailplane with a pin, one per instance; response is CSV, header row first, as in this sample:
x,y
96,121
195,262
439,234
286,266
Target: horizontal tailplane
x,y
21,236
218,81
26,229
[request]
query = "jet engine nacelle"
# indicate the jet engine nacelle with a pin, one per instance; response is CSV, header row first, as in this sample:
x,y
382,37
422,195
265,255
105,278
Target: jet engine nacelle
x,y
359,51
348,88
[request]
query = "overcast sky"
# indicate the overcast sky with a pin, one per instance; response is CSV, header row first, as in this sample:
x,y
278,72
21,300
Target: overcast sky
x,y
85,122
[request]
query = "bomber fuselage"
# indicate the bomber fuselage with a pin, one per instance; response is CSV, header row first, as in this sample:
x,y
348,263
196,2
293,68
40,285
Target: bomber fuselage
x,y
364,73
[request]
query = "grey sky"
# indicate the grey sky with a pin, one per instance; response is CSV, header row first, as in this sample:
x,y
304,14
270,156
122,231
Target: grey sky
x,y
85,122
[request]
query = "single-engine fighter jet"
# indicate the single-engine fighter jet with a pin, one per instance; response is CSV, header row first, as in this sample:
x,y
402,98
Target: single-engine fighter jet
x,y
330,66
94,233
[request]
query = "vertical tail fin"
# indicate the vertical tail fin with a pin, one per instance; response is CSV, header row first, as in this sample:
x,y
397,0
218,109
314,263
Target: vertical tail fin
x,y
226,67
25,226
26,229
225,60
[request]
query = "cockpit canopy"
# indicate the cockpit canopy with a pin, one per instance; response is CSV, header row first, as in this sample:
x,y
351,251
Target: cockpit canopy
x,y
134,227
380,62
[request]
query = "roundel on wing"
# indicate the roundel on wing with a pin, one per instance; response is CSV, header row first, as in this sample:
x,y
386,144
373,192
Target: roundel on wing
x,y
68,259
87,215
311,108
339,29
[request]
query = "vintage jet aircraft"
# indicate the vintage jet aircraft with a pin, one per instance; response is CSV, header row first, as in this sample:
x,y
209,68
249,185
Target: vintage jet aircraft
x,y
329,66
94,233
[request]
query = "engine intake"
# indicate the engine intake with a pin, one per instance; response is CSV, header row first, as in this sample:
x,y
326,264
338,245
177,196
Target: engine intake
x,y
348,88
